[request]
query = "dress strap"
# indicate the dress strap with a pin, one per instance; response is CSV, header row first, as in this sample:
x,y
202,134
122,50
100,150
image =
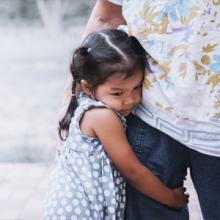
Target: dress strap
x,y
85,103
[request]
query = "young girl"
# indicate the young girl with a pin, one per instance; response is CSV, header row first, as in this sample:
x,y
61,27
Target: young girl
x,y
86,182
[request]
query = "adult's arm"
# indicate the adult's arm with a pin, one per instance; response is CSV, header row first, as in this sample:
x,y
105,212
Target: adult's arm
x,y
104,15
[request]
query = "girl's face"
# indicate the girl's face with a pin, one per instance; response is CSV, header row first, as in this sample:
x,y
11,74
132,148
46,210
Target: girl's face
x,y
121,94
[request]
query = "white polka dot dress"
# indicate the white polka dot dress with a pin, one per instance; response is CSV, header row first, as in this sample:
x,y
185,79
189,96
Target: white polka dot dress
x,y
84,183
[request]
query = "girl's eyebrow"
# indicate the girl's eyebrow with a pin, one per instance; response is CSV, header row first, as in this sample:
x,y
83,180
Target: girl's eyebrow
x,y
138,84
117,88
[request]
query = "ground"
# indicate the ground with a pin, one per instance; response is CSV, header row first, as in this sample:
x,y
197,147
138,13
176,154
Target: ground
x,y
23,187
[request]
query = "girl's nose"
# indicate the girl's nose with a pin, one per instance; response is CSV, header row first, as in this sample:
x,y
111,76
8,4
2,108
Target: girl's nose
x,y
129,100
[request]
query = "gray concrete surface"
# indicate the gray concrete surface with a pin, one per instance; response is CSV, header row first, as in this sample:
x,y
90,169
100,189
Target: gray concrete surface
x,y
23,187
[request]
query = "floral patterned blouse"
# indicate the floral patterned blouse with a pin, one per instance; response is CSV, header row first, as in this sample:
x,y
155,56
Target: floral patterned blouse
x,y
181,94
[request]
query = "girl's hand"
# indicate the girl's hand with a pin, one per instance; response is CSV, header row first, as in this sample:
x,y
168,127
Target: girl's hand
x,y
179,198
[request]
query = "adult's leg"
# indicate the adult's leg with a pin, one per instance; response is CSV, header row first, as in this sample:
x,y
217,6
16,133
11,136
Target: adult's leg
x,y
167,159
205,174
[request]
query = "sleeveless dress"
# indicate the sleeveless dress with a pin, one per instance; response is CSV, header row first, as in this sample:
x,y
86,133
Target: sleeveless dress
x,y
84,183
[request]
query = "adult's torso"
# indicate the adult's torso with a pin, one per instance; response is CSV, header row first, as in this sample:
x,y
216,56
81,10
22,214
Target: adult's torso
x,y
181,95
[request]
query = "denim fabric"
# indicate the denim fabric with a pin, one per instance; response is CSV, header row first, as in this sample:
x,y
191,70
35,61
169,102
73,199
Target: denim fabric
x,y
169,159
205,174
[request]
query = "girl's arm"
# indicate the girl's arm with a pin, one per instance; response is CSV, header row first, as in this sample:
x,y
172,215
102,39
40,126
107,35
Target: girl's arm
x,y
106,125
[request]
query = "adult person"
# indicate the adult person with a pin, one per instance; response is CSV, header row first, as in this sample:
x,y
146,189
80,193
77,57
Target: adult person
x,y
177,125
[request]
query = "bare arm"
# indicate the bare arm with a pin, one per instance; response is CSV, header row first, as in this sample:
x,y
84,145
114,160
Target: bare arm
x,y
104,15
108,128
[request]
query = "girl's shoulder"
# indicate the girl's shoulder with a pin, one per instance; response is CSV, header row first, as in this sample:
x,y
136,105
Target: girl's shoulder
x,y
92,113
99,118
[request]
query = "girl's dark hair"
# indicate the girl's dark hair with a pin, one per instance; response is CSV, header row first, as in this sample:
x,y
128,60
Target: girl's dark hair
x,y
101,55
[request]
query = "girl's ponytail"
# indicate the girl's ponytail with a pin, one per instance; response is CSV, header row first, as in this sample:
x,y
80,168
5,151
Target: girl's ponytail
x,y
64,123
80,59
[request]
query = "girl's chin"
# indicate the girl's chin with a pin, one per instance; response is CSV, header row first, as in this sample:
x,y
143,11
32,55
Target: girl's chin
x,y
125,113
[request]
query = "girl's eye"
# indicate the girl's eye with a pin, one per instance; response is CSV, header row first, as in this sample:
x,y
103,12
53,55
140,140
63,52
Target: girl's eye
x,y
117,93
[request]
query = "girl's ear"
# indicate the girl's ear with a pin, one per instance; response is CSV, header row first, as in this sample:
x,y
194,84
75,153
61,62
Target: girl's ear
x,y
86,88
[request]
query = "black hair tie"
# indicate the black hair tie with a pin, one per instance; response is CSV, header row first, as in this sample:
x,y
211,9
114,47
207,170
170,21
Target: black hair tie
x,y
85,51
